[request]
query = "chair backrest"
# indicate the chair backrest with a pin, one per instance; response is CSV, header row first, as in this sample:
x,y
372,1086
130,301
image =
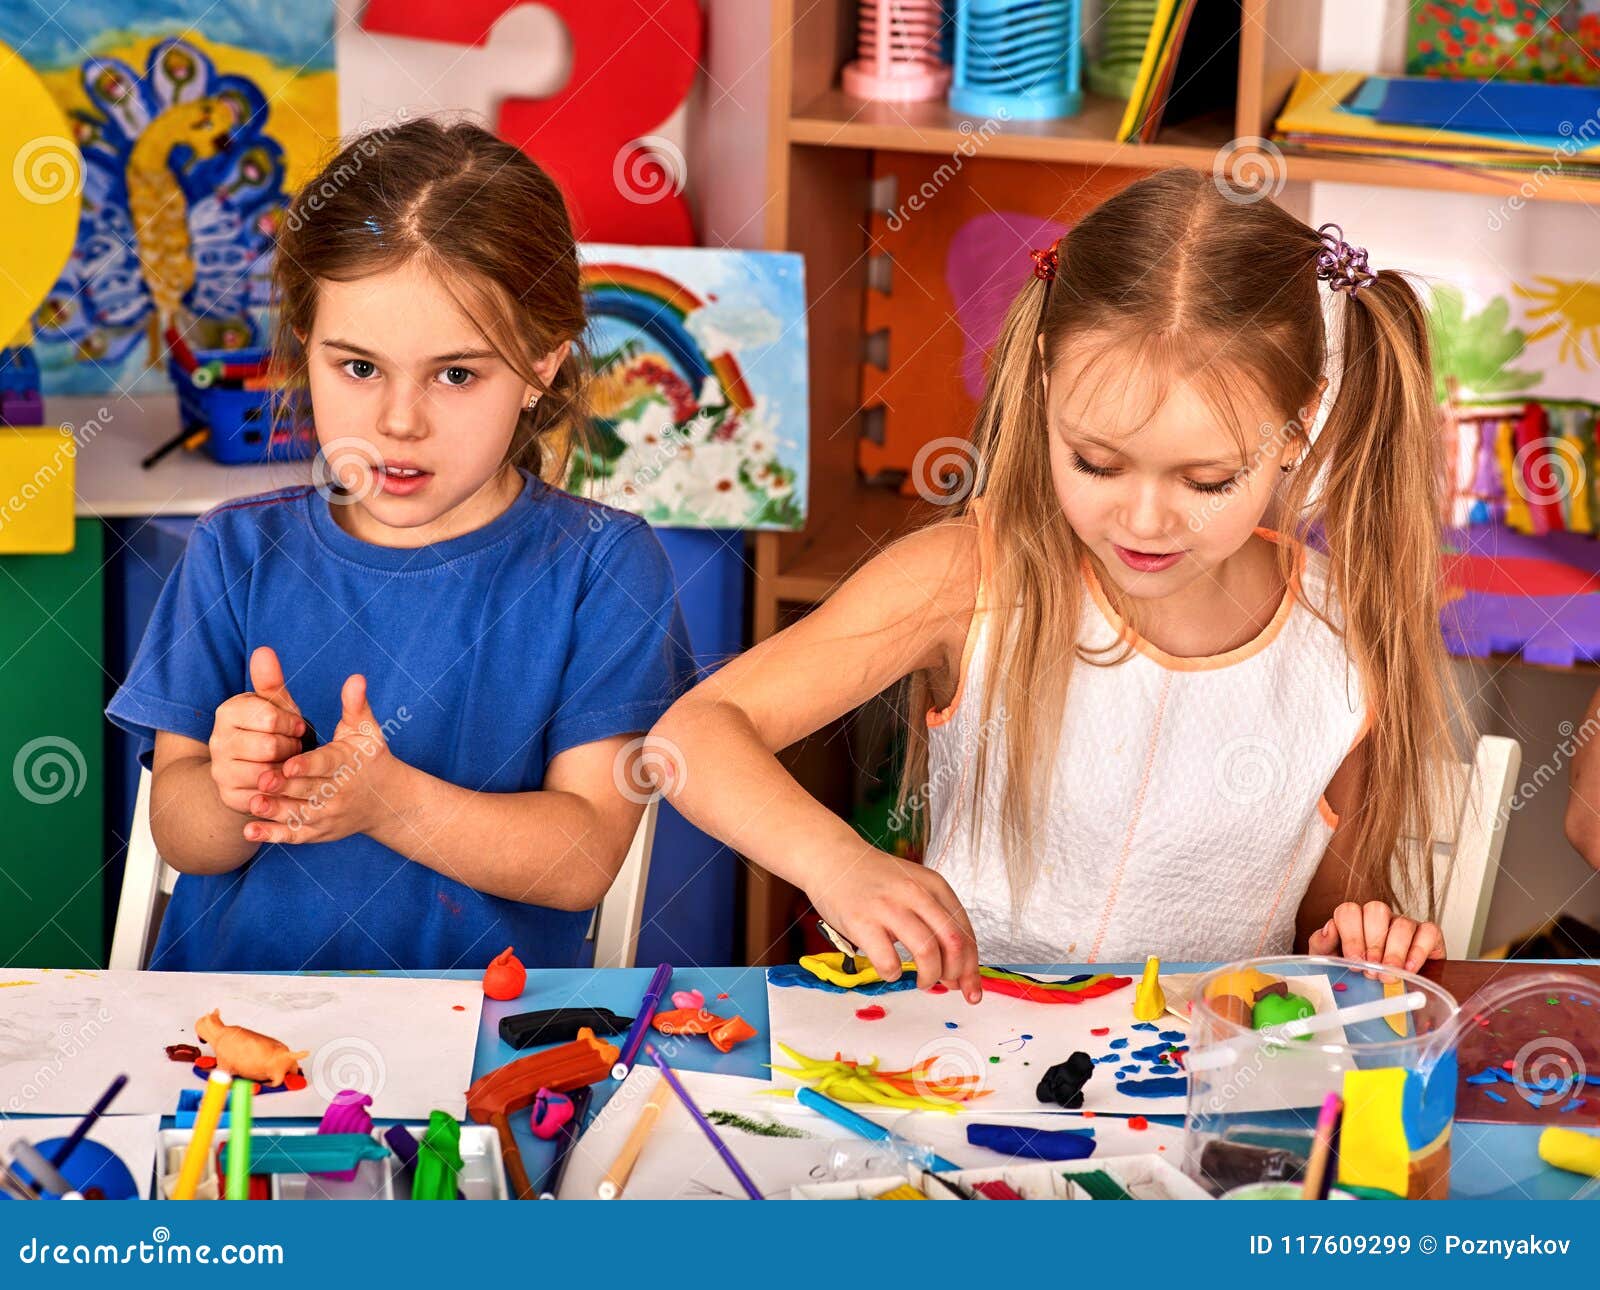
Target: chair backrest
x,y
1469,837
147,882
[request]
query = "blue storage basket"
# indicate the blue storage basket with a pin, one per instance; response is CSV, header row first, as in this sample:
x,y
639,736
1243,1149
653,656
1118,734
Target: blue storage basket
x,y
239,421
1017,59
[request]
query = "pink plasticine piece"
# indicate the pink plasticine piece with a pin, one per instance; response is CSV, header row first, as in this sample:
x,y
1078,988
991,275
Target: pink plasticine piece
x,y
550,1112
688,999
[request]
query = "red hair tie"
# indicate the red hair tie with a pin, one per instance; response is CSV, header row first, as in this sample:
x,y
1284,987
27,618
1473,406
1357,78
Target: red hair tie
x,y
1046,261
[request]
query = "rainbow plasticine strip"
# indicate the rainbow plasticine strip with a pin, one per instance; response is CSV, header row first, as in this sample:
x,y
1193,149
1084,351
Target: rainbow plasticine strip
x,y
829,968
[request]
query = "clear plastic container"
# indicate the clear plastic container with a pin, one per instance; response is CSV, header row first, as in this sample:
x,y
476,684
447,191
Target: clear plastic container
x,y
1386,1045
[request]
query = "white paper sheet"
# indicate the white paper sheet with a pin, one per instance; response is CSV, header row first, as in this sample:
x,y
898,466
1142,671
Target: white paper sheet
x,y
131,1137
65,1034
1009,1043
678,1162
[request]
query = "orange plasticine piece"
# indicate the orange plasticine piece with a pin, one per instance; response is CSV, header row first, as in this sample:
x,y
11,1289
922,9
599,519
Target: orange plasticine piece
x,y
733,1031
246,1053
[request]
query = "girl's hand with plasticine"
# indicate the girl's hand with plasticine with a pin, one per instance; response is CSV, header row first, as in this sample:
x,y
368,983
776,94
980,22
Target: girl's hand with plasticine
x,y
251,733
876,899
1376,934
342,788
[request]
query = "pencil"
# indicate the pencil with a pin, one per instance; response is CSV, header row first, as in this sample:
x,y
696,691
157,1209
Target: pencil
x,y
239,1106
858,1124
622,1167
641,1021
1316,1181
511,1155
750,1189
205,1126
59,1156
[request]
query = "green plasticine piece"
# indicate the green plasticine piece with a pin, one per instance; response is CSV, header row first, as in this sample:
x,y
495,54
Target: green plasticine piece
x,y
438,1159
1099,1184
1275,1009
315,1153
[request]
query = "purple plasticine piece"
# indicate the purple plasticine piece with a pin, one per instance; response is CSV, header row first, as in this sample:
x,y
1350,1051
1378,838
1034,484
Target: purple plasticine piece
x,y
402,1144
347,1113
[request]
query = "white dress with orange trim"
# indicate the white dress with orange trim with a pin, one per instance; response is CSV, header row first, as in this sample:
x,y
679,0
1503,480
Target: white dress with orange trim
x,y
1185,816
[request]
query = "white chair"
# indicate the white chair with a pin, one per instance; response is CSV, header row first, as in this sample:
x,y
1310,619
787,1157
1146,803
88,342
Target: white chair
x,y
1469,837
147,883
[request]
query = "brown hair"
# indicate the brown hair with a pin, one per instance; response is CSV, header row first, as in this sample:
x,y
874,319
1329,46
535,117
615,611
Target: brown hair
x,y
483,216
1219,292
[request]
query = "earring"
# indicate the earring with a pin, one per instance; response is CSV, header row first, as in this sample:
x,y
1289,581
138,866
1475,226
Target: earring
x,y
532,401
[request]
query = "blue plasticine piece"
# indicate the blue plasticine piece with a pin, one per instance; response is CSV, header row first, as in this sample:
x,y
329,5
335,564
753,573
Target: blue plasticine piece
x,y
1574,1104
1119,1043
1483,1077
1498,1097
1033,1144
1160,1086
1122,1075
1145,1025
1127,1070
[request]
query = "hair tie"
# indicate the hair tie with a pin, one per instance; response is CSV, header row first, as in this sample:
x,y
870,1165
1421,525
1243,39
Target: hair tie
x,y
1046,260
1342,266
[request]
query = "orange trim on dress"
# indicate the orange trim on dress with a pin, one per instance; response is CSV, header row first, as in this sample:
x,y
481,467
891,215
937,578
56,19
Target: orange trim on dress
x,y
1326,812
1207,662
939,716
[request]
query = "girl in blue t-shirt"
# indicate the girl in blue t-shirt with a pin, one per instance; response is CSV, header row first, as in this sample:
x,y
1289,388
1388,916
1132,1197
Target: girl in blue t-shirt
x,y
393,716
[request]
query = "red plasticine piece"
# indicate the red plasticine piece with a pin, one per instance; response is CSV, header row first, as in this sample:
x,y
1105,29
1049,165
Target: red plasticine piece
x,y
1138,1123
939,988
1101,1030
873,1013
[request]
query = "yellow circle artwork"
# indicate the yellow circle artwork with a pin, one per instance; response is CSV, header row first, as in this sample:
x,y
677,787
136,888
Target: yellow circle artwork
x,y
40,194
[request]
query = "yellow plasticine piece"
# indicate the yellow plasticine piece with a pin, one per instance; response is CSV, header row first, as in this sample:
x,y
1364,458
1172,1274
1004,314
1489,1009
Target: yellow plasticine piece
x,y
830,968
1245,983
1568,1149
1148,1000
1399,1022
903,1192
1373,1151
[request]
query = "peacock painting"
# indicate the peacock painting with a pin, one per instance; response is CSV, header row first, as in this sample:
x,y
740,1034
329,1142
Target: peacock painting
x,y
196,121
183,191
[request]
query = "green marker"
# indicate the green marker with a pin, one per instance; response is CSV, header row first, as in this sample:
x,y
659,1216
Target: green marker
x,y
239,1140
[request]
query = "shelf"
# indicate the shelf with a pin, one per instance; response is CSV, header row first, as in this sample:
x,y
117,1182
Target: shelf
x,y
834,120
830,548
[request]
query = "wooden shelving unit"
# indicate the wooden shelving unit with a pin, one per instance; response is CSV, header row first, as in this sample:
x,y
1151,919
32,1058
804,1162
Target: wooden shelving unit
x,y
820,164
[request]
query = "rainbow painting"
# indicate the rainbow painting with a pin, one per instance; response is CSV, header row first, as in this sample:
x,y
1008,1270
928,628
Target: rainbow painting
x,y
700,394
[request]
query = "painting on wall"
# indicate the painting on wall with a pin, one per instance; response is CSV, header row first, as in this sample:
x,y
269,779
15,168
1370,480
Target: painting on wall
x,y
194,122
700,397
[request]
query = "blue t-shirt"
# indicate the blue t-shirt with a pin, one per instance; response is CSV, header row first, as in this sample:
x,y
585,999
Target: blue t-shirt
x,y
554,625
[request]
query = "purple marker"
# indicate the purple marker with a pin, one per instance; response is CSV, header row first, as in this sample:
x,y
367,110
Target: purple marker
x,y
641,1021
750,1189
